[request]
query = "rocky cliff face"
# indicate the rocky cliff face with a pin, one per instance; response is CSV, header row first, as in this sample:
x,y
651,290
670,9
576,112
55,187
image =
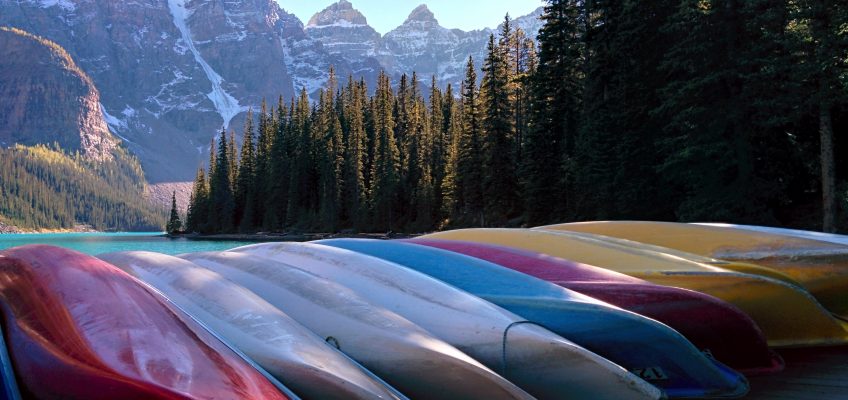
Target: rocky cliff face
x,y
45,98
172,73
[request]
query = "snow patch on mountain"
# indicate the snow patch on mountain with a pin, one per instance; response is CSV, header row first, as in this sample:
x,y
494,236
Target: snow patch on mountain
x,y
337,24
115,124
226,105
66,5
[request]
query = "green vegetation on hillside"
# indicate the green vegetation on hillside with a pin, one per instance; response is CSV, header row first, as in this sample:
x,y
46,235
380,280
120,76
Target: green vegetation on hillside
x,y
717,110
44,188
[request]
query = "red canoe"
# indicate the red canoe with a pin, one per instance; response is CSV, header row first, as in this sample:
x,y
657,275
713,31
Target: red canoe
x,y
711,324
79,328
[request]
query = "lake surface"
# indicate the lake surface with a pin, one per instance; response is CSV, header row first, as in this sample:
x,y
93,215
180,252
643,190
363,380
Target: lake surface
x,y
96,243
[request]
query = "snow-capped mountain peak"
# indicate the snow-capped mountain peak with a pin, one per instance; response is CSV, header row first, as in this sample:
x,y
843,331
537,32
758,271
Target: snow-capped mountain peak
x,y
421,14
338,14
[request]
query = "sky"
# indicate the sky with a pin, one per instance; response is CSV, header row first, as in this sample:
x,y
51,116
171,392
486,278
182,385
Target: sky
x,y
385,15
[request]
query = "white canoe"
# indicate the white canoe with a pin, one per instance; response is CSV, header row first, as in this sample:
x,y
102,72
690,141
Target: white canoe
x,y
539,361
290,352
405,355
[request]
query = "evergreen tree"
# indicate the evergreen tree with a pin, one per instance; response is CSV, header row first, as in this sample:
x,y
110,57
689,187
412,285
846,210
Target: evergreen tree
x,y
279,170
246,182
266,130
440,144
452,131
221,204
557,83
332,156
174,225
499,180
355,194
198,207
386,164
469,164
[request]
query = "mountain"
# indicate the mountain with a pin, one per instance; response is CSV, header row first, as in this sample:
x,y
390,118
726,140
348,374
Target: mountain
x,y
37,76
64,168
345,34
420,44
173,73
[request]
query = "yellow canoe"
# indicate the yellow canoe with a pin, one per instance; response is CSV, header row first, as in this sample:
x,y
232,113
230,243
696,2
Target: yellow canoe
x,y
821,267
787,314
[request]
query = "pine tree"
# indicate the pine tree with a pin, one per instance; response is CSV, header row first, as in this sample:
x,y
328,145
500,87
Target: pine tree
x,y
220,190
499,181
198,208
439,147
331,155
174,225
549,146
267,128
386,164
276,202
246,183
451,194
469,165
355,194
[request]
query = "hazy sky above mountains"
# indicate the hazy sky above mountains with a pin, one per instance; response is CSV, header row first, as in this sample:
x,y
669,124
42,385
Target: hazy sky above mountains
x,y
386,15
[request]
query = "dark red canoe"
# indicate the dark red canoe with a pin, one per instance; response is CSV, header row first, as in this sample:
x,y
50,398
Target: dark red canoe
x,y
79,328
711,324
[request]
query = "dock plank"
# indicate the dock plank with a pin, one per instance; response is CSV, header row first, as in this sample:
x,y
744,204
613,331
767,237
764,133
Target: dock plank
x,y
810,374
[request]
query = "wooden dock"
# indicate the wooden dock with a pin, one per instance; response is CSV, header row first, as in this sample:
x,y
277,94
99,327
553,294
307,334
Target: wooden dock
x,y
810,374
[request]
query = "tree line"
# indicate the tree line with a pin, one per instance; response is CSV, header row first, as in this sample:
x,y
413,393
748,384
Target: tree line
x,y
664,110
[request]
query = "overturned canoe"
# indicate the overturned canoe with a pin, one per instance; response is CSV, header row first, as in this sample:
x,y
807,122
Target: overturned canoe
x,y
821,267
7,373
293,354
79,328
787,315
714,326
542,363
652,350
405,355
812,235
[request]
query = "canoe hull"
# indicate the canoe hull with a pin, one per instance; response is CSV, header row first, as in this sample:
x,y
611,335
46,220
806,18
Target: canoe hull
x,y
67,342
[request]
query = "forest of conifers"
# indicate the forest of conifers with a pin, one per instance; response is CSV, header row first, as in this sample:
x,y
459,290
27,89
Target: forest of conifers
x,y
713,110
43,187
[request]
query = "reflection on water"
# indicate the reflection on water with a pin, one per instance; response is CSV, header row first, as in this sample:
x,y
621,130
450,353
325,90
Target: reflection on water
x,y
96,243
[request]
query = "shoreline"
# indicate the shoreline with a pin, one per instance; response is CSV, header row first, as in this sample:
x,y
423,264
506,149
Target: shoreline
x,y
14,230
288,237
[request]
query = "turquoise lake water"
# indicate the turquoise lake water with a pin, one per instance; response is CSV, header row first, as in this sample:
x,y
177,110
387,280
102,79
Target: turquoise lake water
x,y
96,243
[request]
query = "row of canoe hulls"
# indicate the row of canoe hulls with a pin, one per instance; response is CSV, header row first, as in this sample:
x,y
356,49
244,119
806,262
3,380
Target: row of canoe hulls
x,y
573,311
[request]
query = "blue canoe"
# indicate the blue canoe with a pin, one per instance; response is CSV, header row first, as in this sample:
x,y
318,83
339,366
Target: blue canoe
x,y
646,347
7,374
